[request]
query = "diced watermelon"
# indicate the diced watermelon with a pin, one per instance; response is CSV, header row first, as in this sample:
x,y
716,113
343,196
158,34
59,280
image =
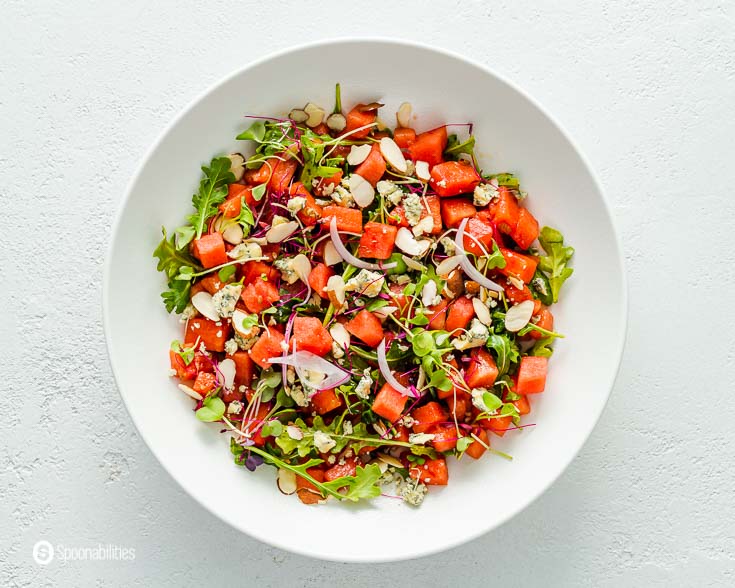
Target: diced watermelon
x,y
366,327
377,241
310,335
266,347
389,403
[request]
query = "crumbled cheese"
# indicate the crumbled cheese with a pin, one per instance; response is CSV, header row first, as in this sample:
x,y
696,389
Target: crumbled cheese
x,y
476,336
235,407
410,168
231,346
420,438
363,386
189,312
337,350
202,346
172,372
413,494
323,442
413,207
366,283
246,250
399,279
347,428
225,300
390,191
288,271
477,401
295,204
279,220
246,343
342,195
429,294
450,247
407,421
310,379
298,395
483,194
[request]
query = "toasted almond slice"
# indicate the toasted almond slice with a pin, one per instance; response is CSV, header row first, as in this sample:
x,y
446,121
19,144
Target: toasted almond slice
x,y
447,265
233,234
316,115
294,432
403,114
331,257
413,264
286,481
337,121
358,154
226,367
297,115
202,301
392,154
302,267
428,293
190,392
482,312
237,165
390,460
406,242
518,316
278,233
336,291
516,282
384,311
340,334
424,226
362,190
422,171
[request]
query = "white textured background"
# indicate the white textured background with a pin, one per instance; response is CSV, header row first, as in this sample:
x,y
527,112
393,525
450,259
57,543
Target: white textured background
x,y
648,91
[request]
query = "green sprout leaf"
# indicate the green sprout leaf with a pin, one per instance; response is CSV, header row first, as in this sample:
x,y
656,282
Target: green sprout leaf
x,y
213,409
186,353
226,273
255,132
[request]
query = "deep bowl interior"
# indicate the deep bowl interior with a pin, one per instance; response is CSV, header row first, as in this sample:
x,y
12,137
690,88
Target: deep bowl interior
x,y
513,134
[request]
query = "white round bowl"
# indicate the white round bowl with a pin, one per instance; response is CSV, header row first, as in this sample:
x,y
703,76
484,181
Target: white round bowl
x,y
513,134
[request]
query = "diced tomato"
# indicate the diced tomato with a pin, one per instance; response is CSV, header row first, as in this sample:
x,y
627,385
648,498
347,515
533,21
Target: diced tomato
x,y
532,375
437,316
325,401
526,230
453,210
460,314
319,277
404,137
432,473
283,173
476,449
310,335
454,177
515,295
348,219
429,146
506,210
427,415
325,186
359,117
259,295
204,383
208,332
210,249
445,437
482,371
267,347
373,168
306,491
348,468
389,403
256,270
377,241
212,283
366,327
244,368
183,371
482,231
519,265
545,321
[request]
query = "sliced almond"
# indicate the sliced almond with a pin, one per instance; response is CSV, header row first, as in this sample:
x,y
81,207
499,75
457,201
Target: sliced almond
x,y
482,312
422,171
403,114
278,233
518,316
302,267
237,165
384,311
226,367
190,392
413,264
424,226
390,460
516,282
316,115
406,242
336,291
447,265
358,154
331,257
392,154
286,481
202,301
362,190
340,335
336,122
297,115
428,293
233,234
294,432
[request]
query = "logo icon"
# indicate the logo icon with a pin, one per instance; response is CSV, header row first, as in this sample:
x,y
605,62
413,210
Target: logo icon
x,y
43,552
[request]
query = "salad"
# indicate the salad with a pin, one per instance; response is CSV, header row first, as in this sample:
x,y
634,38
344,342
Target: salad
x,y
360,304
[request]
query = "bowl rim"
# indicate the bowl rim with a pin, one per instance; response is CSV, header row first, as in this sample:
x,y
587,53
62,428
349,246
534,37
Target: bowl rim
x,y
402,43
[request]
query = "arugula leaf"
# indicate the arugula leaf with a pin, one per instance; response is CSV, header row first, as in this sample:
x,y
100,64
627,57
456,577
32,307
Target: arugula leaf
x,y
554,263
184,235
212,192
455,148
507,179
363,485
312,150
213,409
542,347
255,132
505,349
172,262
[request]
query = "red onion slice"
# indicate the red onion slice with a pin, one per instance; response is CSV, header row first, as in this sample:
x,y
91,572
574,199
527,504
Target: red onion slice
x,y
468,267
305,360
347,256
387,374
